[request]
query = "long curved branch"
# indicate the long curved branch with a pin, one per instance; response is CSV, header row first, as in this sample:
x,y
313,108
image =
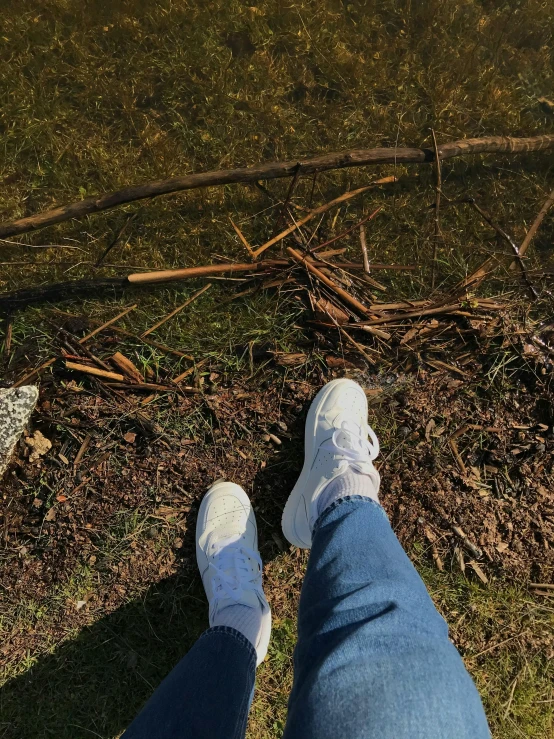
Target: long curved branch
x,y
274,170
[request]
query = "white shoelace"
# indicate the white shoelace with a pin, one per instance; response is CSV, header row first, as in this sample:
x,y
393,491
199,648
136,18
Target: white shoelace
x,y
232,571
351,443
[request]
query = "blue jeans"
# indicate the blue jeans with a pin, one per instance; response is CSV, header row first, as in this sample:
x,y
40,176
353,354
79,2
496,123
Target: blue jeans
x,y
373,659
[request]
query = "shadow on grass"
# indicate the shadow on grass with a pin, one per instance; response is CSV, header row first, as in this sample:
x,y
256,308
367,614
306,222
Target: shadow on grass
x,y
94,685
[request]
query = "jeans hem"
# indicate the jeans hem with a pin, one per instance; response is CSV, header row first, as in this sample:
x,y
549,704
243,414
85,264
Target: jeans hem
x,y
346,499
236,635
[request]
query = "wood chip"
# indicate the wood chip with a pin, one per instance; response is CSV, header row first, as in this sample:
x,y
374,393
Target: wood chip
x,y
323,308
80,454
127,367
457,456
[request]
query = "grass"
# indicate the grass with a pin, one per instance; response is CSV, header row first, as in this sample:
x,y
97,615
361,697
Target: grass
x,y
95,96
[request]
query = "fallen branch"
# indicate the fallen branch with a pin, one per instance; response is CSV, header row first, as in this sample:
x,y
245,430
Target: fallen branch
x,y
534,227
275,170
82,288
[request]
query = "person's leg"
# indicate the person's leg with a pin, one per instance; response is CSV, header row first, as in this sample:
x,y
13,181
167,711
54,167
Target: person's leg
x,y
208,694
373,659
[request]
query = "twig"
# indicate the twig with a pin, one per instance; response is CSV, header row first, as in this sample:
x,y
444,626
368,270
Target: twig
x,y
469,545
169,275
413,314
534,227
457,456
364,249
322,209
500,231
107,324
73,344
129,334
348,230
115,239
274,170
438,233
355,344
242,238
359,307
177,310
8,331
149,386
81,453
189,371
85,369
310,199
288,196
349,338
511,698
50,362
493,646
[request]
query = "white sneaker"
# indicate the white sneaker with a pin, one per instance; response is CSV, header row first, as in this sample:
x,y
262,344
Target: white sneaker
x,y
335,439
228,557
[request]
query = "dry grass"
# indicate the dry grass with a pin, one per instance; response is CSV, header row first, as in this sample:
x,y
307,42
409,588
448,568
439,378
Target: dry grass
x,y
96,95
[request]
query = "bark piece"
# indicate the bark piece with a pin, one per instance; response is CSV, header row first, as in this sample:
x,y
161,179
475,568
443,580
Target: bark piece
x,y
127,367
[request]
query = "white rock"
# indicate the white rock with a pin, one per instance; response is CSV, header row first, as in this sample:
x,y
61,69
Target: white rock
x,y
16,406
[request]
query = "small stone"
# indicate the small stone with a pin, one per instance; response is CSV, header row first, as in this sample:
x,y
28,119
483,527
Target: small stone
x,y
39,444
16,406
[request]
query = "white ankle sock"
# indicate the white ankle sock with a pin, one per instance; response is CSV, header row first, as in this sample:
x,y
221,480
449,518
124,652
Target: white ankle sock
x,y
245,619
351,482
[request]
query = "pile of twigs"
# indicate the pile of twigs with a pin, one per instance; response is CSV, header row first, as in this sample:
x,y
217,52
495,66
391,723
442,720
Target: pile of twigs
x,y
336,291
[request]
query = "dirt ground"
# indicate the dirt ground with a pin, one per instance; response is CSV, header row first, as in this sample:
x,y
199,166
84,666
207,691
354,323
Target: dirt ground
x,y
495,488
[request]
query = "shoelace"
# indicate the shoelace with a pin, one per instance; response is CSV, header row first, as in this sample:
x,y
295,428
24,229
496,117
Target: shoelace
x,y
352,444
232,570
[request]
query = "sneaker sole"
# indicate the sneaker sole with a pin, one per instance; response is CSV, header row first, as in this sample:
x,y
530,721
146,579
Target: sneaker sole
x,y
303,539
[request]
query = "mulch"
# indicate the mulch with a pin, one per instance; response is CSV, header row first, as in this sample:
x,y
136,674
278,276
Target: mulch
x,y
57,515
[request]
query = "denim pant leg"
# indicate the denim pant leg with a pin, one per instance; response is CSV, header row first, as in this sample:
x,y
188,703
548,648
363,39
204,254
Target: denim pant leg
x,y
373,659
206,696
